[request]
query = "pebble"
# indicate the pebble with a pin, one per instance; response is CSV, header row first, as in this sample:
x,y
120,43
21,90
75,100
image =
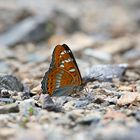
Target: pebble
x,y
102,56
127,98
6,133
10,82
48,104
106,72
11,108
92,118
23,30
7,100
27,107
81,104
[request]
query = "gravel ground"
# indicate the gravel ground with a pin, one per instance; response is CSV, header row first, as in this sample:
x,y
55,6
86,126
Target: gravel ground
x,y
105,39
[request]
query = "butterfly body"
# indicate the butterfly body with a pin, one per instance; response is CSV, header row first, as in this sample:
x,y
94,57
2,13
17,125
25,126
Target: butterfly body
x,y
63,76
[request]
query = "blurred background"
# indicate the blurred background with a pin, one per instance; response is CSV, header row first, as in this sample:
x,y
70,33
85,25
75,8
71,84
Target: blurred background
x,y
98,32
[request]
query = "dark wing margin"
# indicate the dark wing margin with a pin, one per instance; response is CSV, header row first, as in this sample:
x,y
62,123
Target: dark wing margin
x,y
44,80
72,56
44,83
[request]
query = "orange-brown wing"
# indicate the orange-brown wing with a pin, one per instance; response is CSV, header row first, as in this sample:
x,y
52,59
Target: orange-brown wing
x,y
63,58
57,78
63,71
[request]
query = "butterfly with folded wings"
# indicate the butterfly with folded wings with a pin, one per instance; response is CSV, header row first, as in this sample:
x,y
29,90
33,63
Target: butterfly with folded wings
x,y
63,76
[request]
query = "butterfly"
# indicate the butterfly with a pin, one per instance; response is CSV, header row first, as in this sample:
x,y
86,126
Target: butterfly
x,y
63,76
